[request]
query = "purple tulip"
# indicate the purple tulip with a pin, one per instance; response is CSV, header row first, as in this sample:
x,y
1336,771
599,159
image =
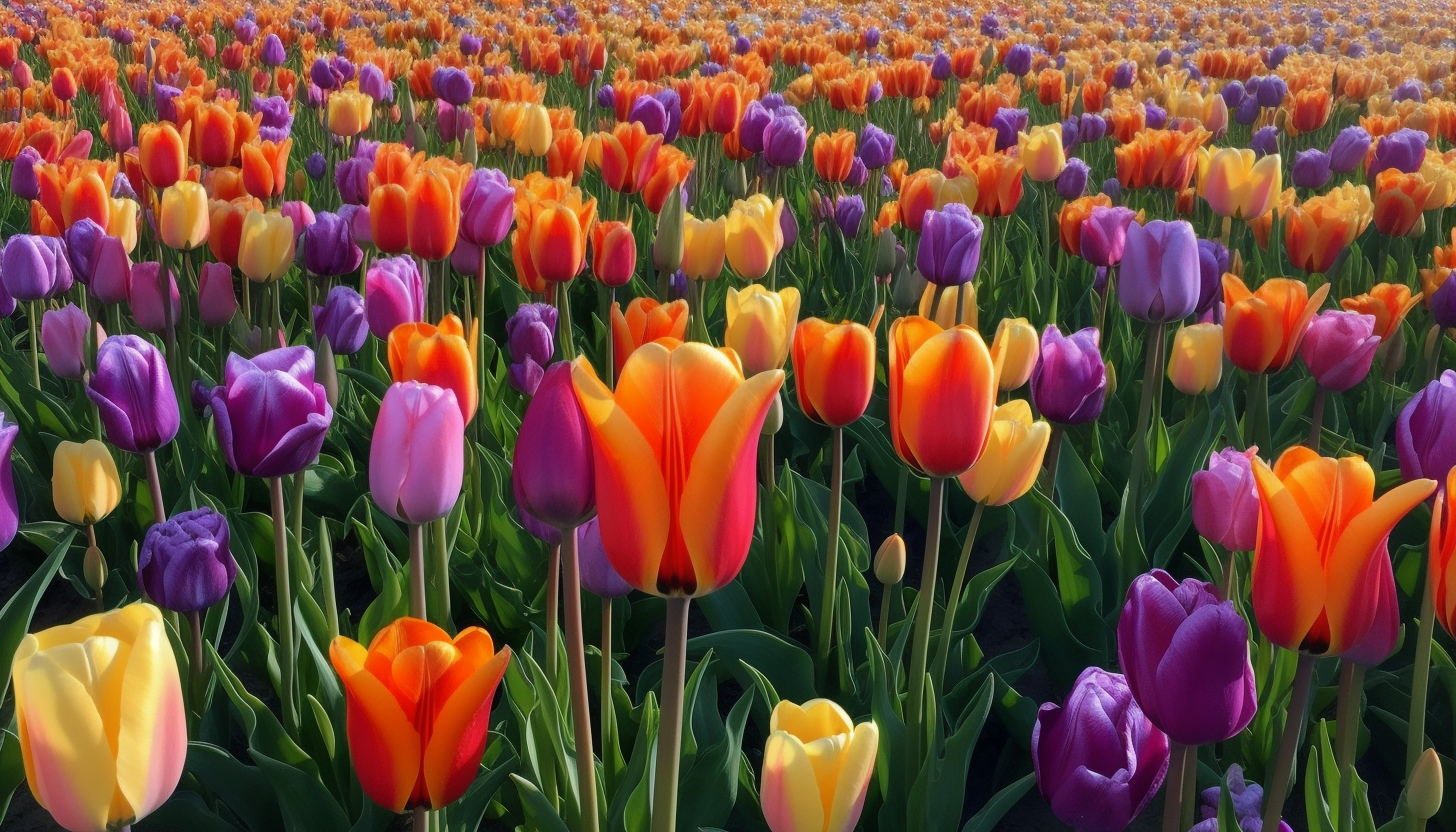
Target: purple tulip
x,y
328,247
417,454
1409,90
1265,141
950,245
1233,94
1069,383
598,576
849,210
1155,117
650,113
1186,656
270,414
63,337
23,181
1226,501
858,174
184,564
83,244
9,505
1123,75
1349,149
672,106
1404,150
1248,111
755,118
876,147
1423,438
1009,122
1159,274
273,53
373,83
1018,60
341,320
322,74
1248,801
453,85
606,97
1098,758
1271,91
1091,127
34,267
470,44
110,277
132,391
871,38
789,225
394,293
552,471
1104,234
144,297
1071,183
940,66
351,176
785,138
316,166
1311,169
530,340
487,207
1339,347
1443,302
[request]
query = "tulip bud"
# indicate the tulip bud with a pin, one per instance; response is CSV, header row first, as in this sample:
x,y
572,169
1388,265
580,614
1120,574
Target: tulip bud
x,y
415,136
1423,792
1014,352
327,371
885,256
907,289
1195,364
775,418
94,569
890,560
735,180
1111,371
667,246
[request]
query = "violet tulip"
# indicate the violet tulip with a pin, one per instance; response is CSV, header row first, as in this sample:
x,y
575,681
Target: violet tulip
x,y
1339,347
185,564
487,206
1213,263
144,296
1226,500
552,471
598,576
341,320
35,267
1404,150
270,414
1186,656
1098,759
1160,273
1069,384
1349,149
328,247
63,337
394,294
110,276
1423,438
132,391
875,146
530,335
217,300
9,505
417,455
1104,234
83,243
950,245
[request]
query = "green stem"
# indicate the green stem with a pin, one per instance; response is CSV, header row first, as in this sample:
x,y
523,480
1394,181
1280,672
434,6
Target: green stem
x,y
1256,414
1188,793
326,575
1316,419
669,732
567,338
924,610
34,317
1415,741
1151,393
154,482
1347,732
198,679
884,629
1294,718
553,593
831,554
609,714
953,600
586,767
440,579
1173,787
418,608
284,588
901,491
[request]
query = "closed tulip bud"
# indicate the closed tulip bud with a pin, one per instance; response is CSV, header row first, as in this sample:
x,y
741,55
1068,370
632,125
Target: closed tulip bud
x,y
1226,501
753,236
185,564
667,245
817,766
1070,379
1159,275
35,267
341,320
597,575
217,301
1042,152
144,296
614,253
394,294
1339,347
552,470
23,180
266,248
530,341
101,750
1103,234
760,326
432,215
533,137
1195,363
933,371
94,569
1423,792
349,113
558,240
889,562
907,289
1012,459
63,337
704,247
886,256
270,414
1014,353
132,391
328,246
774,421
417,455
183,218
950,246
84,484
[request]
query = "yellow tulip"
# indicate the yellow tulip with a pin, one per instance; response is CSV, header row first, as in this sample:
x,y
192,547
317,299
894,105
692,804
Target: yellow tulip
x,y
1041,151
1195,364
1442,176
753,236
703,247
1014,352
963,295
533,135
1009,465
962,189
123,223
183,219
101,722
761,326
265,250
816,767
85,484
350,112
1236,185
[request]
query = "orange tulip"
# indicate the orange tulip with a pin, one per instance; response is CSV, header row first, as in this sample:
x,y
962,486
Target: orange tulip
x,y
265,167
162,152
86,197
676,453
215,134
670,169
437,355
432,214
614,252
558,243
1321,551
567,157
628,154
225,232
387,223
418,711
1442,580
226,184
1388,303
1399,201
998,184
1317,230
934,372
834,155
1262,330
834,370
646,321
1311,109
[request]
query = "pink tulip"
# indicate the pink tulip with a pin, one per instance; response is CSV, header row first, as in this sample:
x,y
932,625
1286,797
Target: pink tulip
x,y
417,458
216,300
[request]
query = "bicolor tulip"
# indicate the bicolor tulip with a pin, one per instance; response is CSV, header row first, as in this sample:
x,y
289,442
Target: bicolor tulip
x,y
185,564
269,413
388,223
85,484
418,710
645,321
1195,363
934,371
266,247
833,155
1014,353
265,168
817,766
102,725
438,355
1388,303
1236,184
1321,551
558,235
760,326
626,156
1262,330
552,470
1226,500
1400,199
132,391
432,213
752,236
1014,450
182,220
162,153
1041,150
675,458
834,370
417,454
614,253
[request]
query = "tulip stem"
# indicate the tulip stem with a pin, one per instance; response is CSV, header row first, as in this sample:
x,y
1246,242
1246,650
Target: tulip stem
x,y
609,714
421,819
1173,787
1294,718
586,767
1415,741
417,606
1151,395
924,610
669,731
831,555
1188,789
285,604
901,491
1256,412
440,580
199,681
553,592
883,632
34,318
154,482
563,324
952,601
1347,733
326,575
1316,419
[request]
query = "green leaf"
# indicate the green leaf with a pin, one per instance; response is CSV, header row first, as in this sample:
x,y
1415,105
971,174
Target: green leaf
x,y
938,795
16,614
12,768
785,663
242,788
540,816
999,804
712,778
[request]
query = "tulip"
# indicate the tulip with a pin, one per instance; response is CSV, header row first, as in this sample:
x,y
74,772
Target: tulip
x,y
162,153
1236,185
1195,364
1426,446
1349,149
1311,169
950,246
342,320
704,247
144,297
328,246
1338,348
628,155
752,236
418,710
552,469
1104,234
84,484
1042,152
23,180
182,221
486,206
266,248
679,525
933,371
558,237
216,300
270,414
530,342
1069,383
185,564
34,267
1186,655
438,355
265,166
834,370
785,139
388,226
1321,548
1400,199
349,113
1159,274
394,294
1388,303
646,321
101,750
1226,500
614,253
133,395
417,454
817,766
1403,150
760,326
1014,449
1098,758
533,136
597,575
63,337
9,505
1014,353
833,154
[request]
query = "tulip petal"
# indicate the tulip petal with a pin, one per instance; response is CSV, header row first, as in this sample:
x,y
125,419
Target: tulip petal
x,y
383,743
856,765
1288,582
950,374
151,744
452,757
1350,602
789,791
1203,676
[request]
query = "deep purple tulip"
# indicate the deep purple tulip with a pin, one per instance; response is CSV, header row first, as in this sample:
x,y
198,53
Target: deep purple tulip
x,y
132,391
1233,94
351,176
341,320
1009,123
184,564
606,97
487,207
316,166
1423,435
1226,500
1154,116
950,245
650,113
1098,758
598,576
789,225
144,296
1339,347
1186,656
1271,91
35,267
553,471
451,84
530,340
270,414
1159,278
1091,127
1123,75
876,147
1069,384
273,52
23,181
849,210
940,66
858,174
470,44
394,294
785,138
871,38
1349,149
1443,302
1248,111
1104,234
755,118
1213,262
672,106
1403,150
1265,141
1311,169
1018,59
9,505
1071,183
322,74
328,247
83,244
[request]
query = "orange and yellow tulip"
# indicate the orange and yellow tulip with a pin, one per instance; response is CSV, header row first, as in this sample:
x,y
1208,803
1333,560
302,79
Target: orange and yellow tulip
x,y
834,370
1399,200
1235,184
626,156
834,155
1012,459
350,112
1262,330
265,168
1317,230
646,320
1041,151
753,235
438,355
162,153
934,372
1388,303
558,235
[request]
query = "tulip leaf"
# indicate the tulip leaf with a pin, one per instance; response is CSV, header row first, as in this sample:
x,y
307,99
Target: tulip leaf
x,y
184,810
1000,803
937,798
629,808
467,813
785,663
1066,654
242,788
16,614
540,816
1167,515
1077,496
1079,583
712,776
12,767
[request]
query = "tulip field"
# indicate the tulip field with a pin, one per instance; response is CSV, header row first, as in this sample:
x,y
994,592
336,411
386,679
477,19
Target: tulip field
x,y
716,416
